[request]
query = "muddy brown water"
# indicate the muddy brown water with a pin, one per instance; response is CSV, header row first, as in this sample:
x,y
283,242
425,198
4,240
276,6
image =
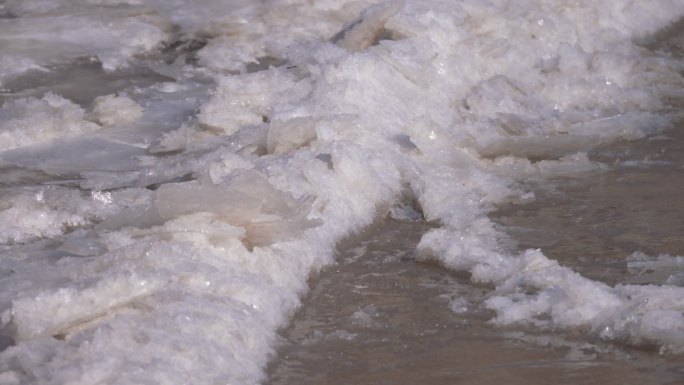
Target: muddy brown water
x,y
380,317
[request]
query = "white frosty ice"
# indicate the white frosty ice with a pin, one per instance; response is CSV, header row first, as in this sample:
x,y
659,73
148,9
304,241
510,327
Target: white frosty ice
x,y
116,109
28,121
251,185
45,34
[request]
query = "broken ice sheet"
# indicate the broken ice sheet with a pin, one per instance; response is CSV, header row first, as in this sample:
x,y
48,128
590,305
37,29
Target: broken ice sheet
x,y
248,200
663,269
83,153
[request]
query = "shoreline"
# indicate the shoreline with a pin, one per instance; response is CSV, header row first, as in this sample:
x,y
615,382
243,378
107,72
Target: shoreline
x,y
386,332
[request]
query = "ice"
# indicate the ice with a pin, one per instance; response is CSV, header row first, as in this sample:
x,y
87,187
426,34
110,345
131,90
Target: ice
x,y
67,308
47,211
48,33
116,109
459,305
248,200
368,28
29,121
248,99
77,154
365,317
171,228
663,269
532,289
288,135
268,32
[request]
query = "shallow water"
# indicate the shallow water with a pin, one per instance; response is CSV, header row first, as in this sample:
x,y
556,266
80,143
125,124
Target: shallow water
x,y
594,221
379,317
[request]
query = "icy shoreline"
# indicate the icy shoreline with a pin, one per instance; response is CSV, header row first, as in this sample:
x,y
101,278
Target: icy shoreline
x,y
173,226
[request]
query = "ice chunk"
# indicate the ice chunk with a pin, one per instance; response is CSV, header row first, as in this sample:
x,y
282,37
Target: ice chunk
x,y
249,99
229,53
63,311
85,153
45,214
50,211
366,317
532,289
284,136
113,34
663,269
459,305
368,28
247,200
115,109
28,121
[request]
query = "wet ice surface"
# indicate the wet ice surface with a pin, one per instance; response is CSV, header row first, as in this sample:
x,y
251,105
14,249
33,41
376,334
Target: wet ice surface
x,y
93,81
